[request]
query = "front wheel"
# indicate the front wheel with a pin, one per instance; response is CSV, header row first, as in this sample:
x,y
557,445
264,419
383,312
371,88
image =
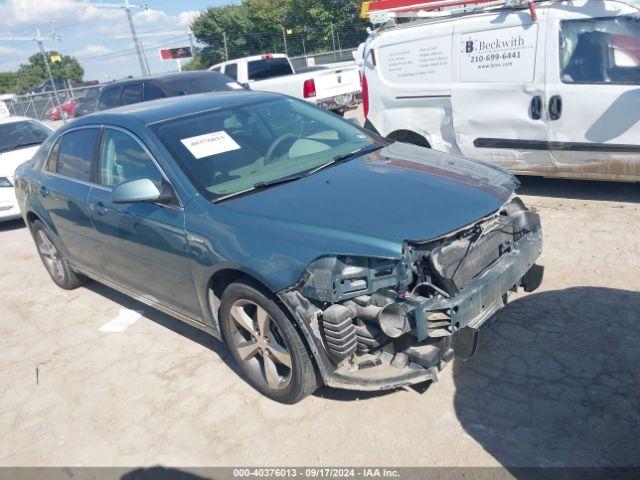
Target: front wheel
x,y
265,344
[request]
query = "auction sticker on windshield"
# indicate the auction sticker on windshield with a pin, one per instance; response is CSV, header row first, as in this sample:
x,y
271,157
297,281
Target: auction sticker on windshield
x,y
501,55
209,144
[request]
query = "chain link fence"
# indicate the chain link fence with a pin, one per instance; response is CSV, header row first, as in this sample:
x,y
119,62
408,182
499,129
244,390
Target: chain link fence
x,y
39,105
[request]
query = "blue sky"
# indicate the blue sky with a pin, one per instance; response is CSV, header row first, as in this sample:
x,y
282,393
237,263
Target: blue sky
x,y
92,34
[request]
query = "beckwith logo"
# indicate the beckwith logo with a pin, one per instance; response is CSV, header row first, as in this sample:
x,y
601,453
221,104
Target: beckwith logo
x,y
469,46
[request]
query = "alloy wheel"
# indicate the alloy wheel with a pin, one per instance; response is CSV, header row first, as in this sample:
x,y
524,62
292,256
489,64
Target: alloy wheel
x,y
260,344
50,256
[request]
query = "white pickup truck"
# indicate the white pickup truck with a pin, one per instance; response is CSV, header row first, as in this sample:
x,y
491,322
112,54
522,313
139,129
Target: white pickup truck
x,y
336,88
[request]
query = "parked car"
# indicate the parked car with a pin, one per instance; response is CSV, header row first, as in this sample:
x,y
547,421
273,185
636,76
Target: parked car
x,y
552,97
63,111
20,137
47,86
137,90
305,242
334,88
88,103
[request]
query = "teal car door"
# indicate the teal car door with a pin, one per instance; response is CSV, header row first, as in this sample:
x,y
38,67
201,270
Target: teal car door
x,y
63,192
143,245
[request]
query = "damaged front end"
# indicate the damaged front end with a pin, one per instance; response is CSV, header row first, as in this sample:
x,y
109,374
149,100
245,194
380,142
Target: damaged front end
x,y
384,323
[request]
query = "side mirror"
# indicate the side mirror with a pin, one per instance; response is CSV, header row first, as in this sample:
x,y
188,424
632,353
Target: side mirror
x,y
140,191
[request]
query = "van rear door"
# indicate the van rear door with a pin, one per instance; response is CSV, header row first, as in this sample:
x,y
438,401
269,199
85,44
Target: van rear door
x,y
593,81
498,92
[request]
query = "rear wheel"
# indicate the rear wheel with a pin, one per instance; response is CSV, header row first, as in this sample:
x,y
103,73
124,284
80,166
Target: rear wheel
x,y
53,259
265,344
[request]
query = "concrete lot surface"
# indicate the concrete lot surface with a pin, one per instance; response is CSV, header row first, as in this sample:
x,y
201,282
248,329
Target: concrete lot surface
x,y
556,381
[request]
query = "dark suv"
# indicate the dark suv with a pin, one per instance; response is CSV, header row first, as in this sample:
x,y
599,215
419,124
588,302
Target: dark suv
x,y
138,90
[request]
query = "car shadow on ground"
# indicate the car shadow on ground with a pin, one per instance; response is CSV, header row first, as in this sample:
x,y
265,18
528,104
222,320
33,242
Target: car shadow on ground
x,y
11,225
580,189
181,328
556,381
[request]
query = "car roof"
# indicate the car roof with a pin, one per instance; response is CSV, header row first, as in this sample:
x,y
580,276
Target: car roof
x,y
14,119
163,109
165,77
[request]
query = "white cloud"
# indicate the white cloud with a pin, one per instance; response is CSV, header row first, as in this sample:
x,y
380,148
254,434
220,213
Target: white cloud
x,y
185,19
92,49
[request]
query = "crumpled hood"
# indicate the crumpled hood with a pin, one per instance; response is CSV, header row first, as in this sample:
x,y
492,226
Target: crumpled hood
x,y
9,161
401,192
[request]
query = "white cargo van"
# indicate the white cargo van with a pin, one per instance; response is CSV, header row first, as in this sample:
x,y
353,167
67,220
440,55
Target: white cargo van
x,y
557,95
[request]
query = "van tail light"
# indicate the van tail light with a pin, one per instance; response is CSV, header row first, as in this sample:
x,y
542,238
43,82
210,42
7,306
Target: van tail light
x,y
365,95
309,88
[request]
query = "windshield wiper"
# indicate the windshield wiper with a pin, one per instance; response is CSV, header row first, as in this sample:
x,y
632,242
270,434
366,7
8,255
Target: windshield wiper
x,y
278,181
260,186
347,156
19,145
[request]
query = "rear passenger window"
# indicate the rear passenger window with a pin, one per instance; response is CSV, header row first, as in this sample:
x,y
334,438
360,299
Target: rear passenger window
x,y
231,70
601,50
152,92
131,94
110,98
75,154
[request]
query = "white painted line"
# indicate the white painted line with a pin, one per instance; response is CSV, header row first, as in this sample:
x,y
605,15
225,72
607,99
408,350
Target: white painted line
x,y
124,320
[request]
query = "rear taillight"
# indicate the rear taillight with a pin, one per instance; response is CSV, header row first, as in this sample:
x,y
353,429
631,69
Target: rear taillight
x,y
309,88
365,95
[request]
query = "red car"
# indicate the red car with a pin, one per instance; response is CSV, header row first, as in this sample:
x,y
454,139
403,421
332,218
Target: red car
x,y
64,110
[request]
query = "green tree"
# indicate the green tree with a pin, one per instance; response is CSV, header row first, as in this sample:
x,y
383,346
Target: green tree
x,y
8,82
32,74
255,26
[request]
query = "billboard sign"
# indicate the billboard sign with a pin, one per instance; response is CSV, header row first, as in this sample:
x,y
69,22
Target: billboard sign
x,y
175,53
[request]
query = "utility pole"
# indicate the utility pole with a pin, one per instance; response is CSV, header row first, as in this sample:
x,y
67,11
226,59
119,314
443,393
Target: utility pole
x,y
226,48
144,65
192,45
46,64
284,31
333,38
38,39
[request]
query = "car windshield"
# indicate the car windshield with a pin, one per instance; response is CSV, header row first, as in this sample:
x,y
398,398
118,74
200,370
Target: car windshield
x,y
26,133
242,148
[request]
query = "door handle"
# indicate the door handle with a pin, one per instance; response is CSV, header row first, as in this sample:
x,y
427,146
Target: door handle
x,y
555,107
99,208
536,107
44,191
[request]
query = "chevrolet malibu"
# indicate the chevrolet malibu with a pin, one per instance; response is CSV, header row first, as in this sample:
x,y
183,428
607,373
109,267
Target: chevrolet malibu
x,y
318,251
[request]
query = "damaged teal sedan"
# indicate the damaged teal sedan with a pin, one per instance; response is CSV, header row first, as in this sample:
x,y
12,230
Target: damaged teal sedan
x,y
319,252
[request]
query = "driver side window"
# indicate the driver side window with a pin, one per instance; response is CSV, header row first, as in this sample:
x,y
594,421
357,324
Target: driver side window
x,y
123,159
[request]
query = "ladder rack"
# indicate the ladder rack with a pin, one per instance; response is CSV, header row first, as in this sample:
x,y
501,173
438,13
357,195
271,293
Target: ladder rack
x,y
384,11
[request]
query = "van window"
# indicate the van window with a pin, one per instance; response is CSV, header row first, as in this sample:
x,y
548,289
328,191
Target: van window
x,y
231,70
110,97
269,68
131,94
76,154
601,50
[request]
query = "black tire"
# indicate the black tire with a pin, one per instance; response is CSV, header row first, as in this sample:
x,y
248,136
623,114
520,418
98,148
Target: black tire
x,y
53,259
289,384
